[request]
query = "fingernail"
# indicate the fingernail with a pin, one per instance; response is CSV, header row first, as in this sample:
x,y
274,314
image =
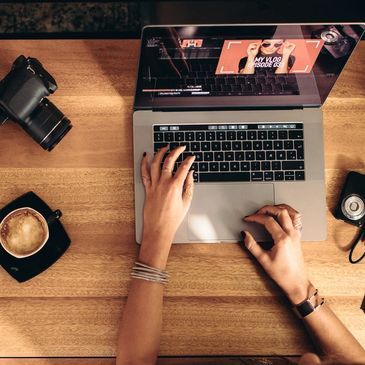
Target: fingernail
x,y
144,154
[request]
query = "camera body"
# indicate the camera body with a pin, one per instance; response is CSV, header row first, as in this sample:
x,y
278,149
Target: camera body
x,y
23,94
351,205
335,43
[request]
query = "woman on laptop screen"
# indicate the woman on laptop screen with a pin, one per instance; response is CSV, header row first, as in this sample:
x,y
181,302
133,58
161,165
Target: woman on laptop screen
x,y
265,56
167,200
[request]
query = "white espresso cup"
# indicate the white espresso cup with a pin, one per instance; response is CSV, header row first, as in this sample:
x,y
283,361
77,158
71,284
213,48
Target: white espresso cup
x,y
23,232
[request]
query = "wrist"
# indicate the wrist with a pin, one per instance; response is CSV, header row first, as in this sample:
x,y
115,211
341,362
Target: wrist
x,y
154,253
300,292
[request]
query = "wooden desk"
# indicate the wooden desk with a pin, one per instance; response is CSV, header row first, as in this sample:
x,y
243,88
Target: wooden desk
x,y
218,302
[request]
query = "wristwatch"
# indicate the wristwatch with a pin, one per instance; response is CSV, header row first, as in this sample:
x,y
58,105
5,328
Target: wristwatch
x,y
308,305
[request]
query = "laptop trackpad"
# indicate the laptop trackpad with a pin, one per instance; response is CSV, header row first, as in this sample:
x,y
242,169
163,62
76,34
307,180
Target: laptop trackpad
x,y
217,210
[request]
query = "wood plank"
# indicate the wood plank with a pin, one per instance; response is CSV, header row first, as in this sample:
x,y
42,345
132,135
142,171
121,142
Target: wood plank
x,y
87,327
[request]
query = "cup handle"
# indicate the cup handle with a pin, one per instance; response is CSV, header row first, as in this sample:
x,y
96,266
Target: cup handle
x,y
57,214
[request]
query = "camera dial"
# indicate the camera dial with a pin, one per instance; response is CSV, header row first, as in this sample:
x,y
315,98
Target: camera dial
x,y
353,207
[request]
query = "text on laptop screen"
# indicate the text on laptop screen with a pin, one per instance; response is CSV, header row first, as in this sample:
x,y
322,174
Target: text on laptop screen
x,y
239,65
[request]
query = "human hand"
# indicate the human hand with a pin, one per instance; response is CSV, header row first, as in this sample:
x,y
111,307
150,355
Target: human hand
x,y
167,201
284,263
253,49
288,48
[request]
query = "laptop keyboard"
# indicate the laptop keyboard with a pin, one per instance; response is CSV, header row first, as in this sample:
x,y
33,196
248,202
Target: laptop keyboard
x,y
238,152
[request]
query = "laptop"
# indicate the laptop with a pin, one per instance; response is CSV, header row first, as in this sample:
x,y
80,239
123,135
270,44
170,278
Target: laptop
x,y
247,101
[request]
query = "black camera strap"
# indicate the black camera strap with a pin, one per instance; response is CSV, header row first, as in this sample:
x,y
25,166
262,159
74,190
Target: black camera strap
x,y
359,238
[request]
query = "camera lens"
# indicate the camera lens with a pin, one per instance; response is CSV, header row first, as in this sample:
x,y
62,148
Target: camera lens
x,y
47,125
329,37
353,207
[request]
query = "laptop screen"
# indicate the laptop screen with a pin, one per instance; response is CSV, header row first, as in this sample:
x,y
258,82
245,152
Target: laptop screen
x,y
241,66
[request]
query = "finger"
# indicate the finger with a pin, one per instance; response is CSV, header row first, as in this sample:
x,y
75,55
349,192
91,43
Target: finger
x,y
156,164
271,225
281,214
188,188
254,247
145,171
183,170
294,214
170,161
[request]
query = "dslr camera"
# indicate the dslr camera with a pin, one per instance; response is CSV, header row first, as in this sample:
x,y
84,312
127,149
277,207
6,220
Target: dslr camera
x,y
23,99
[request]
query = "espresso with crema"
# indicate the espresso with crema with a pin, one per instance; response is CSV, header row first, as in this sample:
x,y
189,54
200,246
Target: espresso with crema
x,y
23,232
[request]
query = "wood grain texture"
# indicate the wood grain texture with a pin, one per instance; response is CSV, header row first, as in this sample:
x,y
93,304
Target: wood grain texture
x,y
219,302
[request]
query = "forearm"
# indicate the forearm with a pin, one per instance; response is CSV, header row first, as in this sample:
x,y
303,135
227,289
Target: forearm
x,y
333,339
330,336
140,330
139,335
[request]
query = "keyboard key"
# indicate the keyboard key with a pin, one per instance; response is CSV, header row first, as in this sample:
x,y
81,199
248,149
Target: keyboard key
x,y
260,155
296,134
289,175
265,165
250,155
210,136
179,136
278,145
228,176
221,136
229,156
239,156
270,155
205,146
235,166
218,156
257,145
203,166
245,166
231,135
236,146
299,175
208,156
279,175
288,145
224,166
174,145
226,146
189,136
255,166
247,146
198,156
257,176
200,136
291,155
262,135
169,137
158,146
273,135
213,166
283,134
252,135
280,155
195,146
293,165
276,165
158,137
268,176
216,146
267,145
241,135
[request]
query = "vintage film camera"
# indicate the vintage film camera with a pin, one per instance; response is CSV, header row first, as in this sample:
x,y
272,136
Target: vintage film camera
x,y
351,207
23,99
335,43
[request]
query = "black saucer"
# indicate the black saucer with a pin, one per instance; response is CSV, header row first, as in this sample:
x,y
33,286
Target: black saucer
x,y
58,242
